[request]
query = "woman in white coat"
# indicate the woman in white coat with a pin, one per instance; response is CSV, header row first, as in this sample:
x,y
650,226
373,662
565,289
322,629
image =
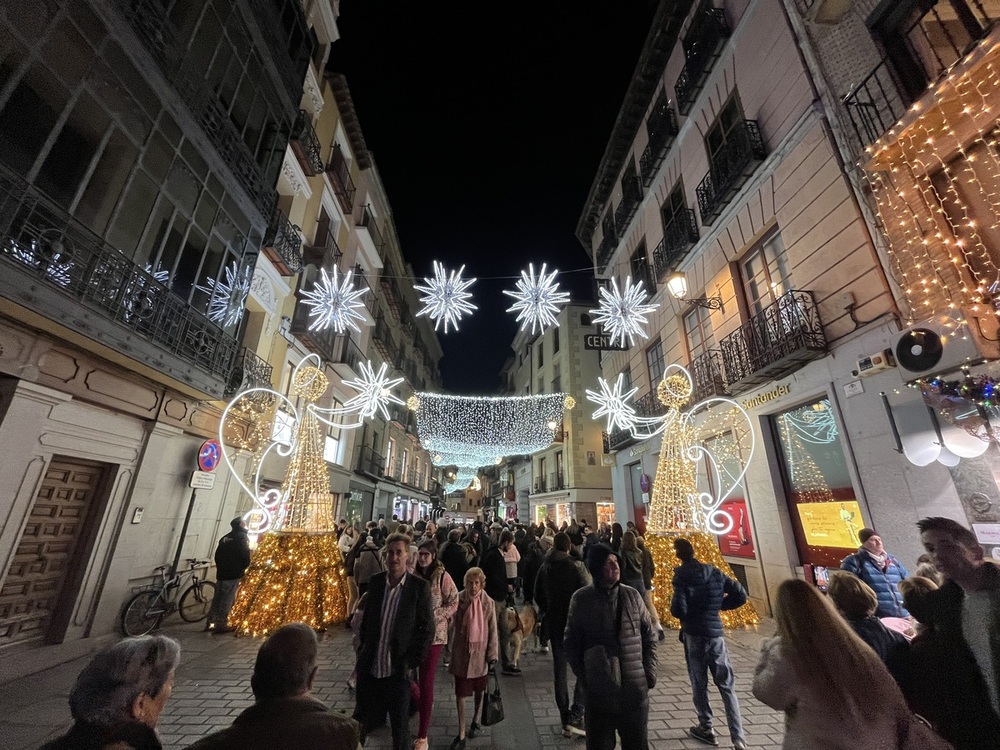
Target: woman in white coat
x,y
834,690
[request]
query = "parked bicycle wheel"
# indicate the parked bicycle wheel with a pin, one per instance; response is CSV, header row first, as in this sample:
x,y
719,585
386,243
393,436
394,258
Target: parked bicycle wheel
x,y
196,601
143,613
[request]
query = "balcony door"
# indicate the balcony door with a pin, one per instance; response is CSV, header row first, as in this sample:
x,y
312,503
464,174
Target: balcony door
x,y
765,274
725,129
639,269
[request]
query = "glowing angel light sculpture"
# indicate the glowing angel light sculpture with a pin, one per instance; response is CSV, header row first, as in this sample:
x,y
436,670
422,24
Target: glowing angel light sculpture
x,y
720,441
445,297
623,313
538,299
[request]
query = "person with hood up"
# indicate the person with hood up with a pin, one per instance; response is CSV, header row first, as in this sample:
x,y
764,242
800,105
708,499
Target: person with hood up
x,y
608,622
880,570
367,564
700,592
232,558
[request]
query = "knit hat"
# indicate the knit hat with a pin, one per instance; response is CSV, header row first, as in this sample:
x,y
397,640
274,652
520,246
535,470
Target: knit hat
x,y
865,534
596,557
236,522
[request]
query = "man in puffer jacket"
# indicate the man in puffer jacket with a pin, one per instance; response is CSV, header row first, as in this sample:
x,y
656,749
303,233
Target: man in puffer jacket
x,y
608,621
880,570
700,592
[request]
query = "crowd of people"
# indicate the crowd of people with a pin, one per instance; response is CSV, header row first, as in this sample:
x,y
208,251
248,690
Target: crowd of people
x,y
887,661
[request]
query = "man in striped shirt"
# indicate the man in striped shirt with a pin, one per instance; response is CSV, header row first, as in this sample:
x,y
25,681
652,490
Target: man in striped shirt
x,y
396,630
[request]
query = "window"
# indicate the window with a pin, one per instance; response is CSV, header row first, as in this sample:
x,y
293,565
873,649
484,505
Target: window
x,y
626,380
765,273
541,351
540,481
332,444
585,320
672,208
698,331
639,268
654,363
556,379
390,454
541,386
725,127
560,474
555,339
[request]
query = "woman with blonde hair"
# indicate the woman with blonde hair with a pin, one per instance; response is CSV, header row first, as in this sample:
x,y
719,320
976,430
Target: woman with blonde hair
x,y
476,650
834,690
858,602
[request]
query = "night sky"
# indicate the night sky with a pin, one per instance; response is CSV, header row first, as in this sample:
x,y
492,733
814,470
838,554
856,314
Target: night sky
x,y
488,123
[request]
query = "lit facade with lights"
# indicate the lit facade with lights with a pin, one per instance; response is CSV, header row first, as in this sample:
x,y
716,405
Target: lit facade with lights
x,y
567,479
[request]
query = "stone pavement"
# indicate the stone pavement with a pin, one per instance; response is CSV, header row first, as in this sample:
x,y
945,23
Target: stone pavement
x,y
213,686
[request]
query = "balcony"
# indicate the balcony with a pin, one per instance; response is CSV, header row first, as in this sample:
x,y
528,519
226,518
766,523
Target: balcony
x,y
732,165
391,292
346,357
631,198
702,47
780,339
325,253
361,282
708,376
556,482
369,462
646,406
305,144
382,338
250,371
339,172
59,270
283,244
642,272
367,222
605,250
662,129
679,236
322,342
285,30
944,34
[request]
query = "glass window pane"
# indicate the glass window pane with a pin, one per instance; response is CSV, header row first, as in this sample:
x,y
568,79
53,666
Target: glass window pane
x,y
39,99
74,149
132,216
183,186
106,182
67,54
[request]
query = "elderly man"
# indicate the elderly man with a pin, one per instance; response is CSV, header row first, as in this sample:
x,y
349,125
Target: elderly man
x,y
285,714
609,620
880,570
232,558
396,630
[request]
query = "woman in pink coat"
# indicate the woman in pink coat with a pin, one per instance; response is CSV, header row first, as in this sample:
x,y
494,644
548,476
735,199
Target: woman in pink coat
x,y
475,651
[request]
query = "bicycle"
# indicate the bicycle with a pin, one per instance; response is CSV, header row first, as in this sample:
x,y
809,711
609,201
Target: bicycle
x,y
147,608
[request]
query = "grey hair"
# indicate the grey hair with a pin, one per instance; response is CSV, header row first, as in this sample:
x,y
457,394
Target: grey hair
x,y
285,662
108,686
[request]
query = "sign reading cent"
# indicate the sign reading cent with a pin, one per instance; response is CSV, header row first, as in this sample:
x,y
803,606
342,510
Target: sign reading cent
x,y
209,455
602,342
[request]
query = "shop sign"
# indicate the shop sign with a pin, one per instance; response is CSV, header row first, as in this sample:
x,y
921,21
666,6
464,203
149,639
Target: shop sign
x,y
752,403
833,524
638,449
602,342
738,542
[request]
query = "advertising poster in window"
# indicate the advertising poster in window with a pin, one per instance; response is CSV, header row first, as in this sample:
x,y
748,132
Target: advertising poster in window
x,y
833,524
739,541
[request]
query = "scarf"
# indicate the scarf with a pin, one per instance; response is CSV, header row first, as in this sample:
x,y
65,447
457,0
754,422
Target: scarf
x,y
475,622
882,561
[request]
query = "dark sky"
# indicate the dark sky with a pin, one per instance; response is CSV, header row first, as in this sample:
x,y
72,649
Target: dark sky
x,y
488,122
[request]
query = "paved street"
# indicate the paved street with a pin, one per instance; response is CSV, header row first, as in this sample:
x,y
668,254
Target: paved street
x,y
213,685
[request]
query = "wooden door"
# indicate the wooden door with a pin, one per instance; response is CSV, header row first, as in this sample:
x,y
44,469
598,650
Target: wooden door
x,y
35,591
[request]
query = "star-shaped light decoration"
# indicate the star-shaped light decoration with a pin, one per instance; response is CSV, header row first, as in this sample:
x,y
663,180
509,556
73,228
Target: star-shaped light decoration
x,y
334,303
227,297
374,391
611,403
538,300
445,298
58,269
623,313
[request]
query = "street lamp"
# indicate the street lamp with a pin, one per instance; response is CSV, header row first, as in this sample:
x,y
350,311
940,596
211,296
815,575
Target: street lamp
x,y
677,285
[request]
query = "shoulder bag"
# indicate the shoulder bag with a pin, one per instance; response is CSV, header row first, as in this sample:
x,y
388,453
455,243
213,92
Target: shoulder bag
x,y
492,703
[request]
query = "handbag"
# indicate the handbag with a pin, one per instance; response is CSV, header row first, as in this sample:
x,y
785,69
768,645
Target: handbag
x,y
604,671
493,703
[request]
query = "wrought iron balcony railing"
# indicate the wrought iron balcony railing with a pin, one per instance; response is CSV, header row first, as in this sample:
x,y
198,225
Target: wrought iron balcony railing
x,y
305,144
62,271
645,406
325,253
346,352
702,47
283,244
732,165
363,282
369,462
382,338
339,172
778,340
631,198
662,129
322,342
392,293
679,236
642,272
366,220
605,250
708,376
250,371
944,34
285,30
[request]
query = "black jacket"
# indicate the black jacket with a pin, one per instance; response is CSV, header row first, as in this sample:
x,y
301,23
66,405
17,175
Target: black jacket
x,y
414,628
455,562
558,579
495,568
700,591
84,736
232,556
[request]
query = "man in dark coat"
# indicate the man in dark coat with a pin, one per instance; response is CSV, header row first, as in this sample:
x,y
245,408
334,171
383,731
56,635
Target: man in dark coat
x,y
608,619
559,577
396,629
232,558
497,588
285,713
700,591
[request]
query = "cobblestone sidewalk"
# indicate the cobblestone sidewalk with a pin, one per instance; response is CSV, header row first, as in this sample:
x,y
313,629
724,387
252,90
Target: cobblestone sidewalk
x,y
213,686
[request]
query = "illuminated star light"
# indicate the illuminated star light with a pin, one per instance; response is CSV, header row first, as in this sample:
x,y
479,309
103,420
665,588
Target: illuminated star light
x,y
227,297
623,313
538,301
445,297
611,403
374,391
334,304
56,271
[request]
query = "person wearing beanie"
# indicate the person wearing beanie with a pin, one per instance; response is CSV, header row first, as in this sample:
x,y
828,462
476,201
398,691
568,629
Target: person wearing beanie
x,y
608,620
880,570
232,558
